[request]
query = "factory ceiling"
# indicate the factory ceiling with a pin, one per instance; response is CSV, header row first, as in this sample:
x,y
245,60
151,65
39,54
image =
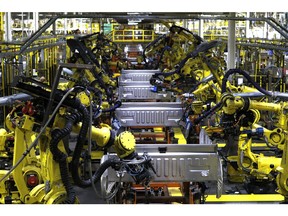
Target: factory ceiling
x,y
122,17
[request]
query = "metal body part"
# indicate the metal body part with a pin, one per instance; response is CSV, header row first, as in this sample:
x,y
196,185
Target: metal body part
x,y
131,91
134,85
149,114
176,163
136,75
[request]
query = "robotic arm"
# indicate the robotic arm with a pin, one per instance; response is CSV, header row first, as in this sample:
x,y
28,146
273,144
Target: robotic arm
x,y
168,49
261,167
282,177
196,66
50,165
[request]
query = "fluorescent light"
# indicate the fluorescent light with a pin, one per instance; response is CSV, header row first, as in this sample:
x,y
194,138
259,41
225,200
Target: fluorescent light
x,y
132,23
134,20
133,13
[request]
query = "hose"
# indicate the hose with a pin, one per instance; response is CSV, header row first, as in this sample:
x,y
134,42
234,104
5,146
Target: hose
x,y
152,44
89,158
60,157
203,47
98,93
250,171
112,162
209,112
90,145
242,161
86,123
161,56
246,75
81,139
100,171
35,142
197,37
100,81
70,192
113,108
272,147
103,167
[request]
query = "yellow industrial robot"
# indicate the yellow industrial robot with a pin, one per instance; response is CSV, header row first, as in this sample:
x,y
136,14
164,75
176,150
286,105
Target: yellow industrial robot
x,y
43,161
169,49
242,115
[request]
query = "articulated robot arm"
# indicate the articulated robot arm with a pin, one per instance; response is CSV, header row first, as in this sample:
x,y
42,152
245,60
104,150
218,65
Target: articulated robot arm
x,y
45,178
258,165
282,177
197,65
168,49
41,150
236,111
239,125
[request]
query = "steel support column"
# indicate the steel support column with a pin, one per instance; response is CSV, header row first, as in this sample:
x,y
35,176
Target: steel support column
x,y
231,43
8,30
36,21
265,31
248,26
201,30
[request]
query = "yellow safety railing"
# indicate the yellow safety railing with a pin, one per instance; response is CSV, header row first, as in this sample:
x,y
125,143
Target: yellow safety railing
x,y
1,25
41,59
133,35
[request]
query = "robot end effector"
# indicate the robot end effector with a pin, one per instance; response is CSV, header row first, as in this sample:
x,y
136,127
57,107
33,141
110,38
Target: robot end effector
x,y
127,160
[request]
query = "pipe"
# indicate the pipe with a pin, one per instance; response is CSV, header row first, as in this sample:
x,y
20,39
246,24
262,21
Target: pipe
x,y
67,71
246,75
206,114
11,99
207,78
231,43
281,95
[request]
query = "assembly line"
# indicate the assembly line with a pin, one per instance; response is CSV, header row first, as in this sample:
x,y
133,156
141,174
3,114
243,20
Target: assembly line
x,y
169,123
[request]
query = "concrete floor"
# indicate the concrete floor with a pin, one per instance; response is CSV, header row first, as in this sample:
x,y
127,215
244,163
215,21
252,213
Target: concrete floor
x,y
88,196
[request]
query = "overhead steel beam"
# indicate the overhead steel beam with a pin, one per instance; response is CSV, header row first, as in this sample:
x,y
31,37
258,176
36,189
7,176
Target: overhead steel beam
x,y
37,34
9,54
264,46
